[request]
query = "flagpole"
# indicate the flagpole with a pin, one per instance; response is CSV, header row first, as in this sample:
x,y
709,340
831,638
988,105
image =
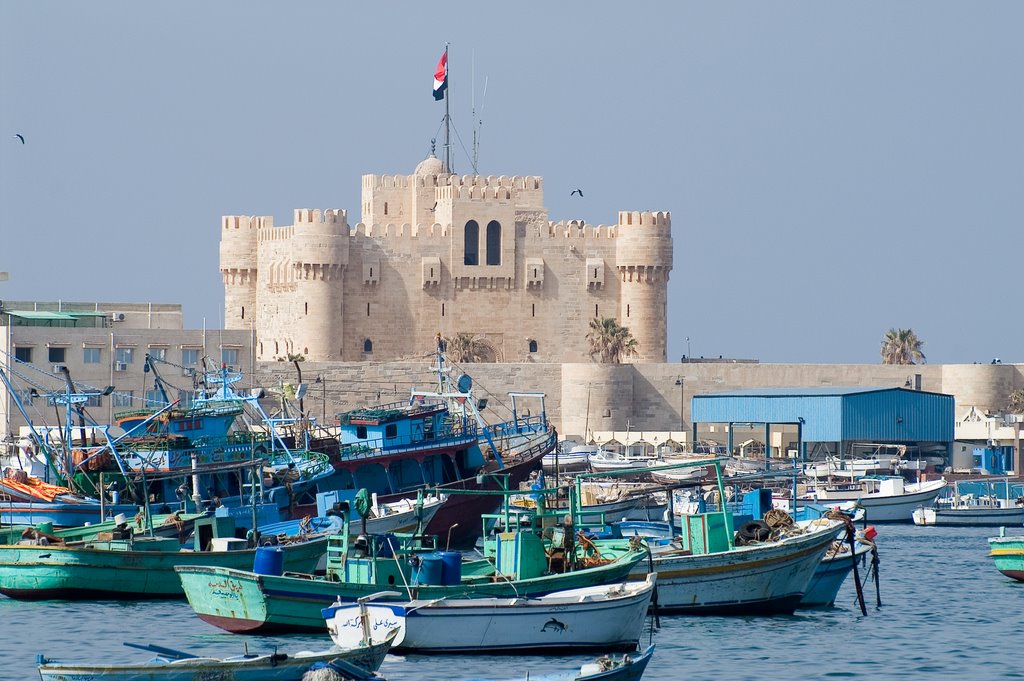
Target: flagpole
x,y
447,116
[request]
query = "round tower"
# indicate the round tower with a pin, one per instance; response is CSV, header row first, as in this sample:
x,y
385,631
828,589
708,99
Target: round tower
x,y
319,255
643,260
595,397
986,386
239,239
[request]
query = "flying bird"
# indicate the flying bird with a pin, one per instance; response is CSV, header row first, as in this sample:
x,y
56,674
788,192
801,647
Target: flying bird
x,y
576,191
20,137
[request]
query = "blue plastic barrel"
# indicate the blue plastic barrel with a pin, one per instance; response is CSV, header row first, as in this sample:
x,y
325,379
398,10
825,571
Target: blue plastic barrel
x,y
451,567
431,569
269,561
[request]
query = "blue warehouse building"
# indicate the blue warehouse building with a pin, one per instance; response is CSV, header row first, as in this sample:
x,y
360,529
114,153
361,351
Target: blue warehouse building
x,y
834,421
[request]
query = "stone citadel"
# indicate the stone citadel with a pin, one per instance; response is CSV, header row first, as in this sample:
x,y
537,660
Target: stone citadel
x,y
441,252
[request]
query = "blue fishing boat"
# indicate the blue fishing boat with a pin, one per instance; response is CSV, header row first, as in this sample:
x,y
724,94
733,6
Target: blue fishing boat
x,y
438,439
173,456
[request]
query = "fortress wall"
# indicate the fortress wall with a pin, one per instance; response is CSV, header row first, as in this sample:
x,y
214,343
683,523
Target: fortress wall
x,y
644,395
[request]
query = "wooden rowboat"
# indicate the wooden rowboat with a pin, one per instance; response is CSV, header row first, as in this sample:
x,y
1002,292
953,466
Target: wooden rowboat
x,y
357,663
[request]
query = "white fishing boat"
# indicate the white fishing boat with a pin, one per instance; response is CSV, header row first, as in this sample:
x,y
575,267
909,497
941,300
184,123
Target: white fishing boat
x,y
670,476
885,499
357,662
397,516
614,500
973,510
567,459
605,460
598,618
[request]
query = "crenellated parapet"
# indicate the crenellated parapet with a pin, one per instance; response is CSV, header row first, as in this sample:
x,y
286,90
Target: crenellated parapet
x,y
320,243
644,245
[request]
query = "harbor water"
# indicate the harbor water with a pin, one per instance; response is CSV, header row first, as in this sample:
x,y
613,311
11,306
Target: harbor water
x,y
946,613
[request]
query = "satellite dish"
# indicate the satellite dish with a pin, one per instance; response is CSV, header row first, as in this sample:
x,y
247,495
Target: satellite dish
x,y
464,384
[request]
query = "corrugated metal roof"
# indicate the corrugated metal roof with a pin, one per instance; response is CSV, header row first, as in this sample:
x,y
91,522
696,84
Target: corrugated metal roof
x,y
41,314
836,414
810,391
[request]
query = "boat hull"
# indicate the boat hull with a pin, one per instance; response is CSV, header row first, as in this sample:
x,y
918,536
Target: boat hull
x,y
970,517
245,602
1008,554
760,579
242,668
829,577
887,508
49,572
61,514
599,619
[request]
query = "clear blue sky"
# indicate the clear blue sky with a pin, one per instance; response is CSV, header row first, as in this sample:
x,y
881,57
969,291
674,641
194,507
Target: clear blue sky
x,y
833,169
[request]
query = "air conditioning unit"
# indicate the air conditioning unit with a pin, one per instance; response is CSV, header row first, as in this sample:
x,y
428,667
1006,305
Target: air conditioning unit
x,y
117,316
120,366
58,368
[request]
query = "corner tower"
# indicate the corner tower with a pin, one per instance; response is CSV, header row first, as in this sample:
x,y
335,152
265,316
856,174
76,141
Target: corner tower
x,y
238,267
643,255
319,253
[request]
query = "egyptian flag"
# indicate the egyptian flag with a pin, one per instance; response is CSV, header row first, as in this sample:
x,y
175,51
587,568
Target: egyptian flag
x,y
441,77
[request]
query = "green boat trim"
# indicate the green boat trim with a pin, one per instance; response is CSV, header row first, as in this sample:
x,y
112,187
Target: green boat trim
x,y
131,567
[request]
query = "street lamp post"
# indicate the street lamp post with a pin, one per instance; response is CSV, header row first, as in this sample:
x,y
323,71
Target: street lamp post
x,y
680,382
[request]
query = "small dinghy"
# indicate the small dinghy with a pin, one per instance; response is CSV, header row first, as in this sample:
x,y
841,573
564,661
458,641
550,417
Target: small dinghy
x,y
630,667
354,664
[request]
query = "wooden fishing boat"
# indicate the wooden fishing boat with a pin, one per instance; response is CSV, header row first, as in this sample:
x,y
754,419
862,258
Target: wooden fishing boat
x,y
885,499
520,564
599,618
1008,554
438,439
29,501
570,457
712,569
162,525
405,515
120,565
605,668
971,509
833,569
357,662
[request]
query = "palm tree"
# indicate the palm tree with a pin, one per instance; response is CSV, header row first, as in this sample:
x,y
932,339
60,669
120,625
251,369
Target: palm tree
x,y
295,359
902,346
609,341
468,347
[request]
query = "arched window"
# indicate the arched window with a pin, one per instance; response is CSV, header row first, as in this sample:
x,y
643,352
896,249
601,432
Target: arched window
x,y
493,242
472,245
533,346
367,345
